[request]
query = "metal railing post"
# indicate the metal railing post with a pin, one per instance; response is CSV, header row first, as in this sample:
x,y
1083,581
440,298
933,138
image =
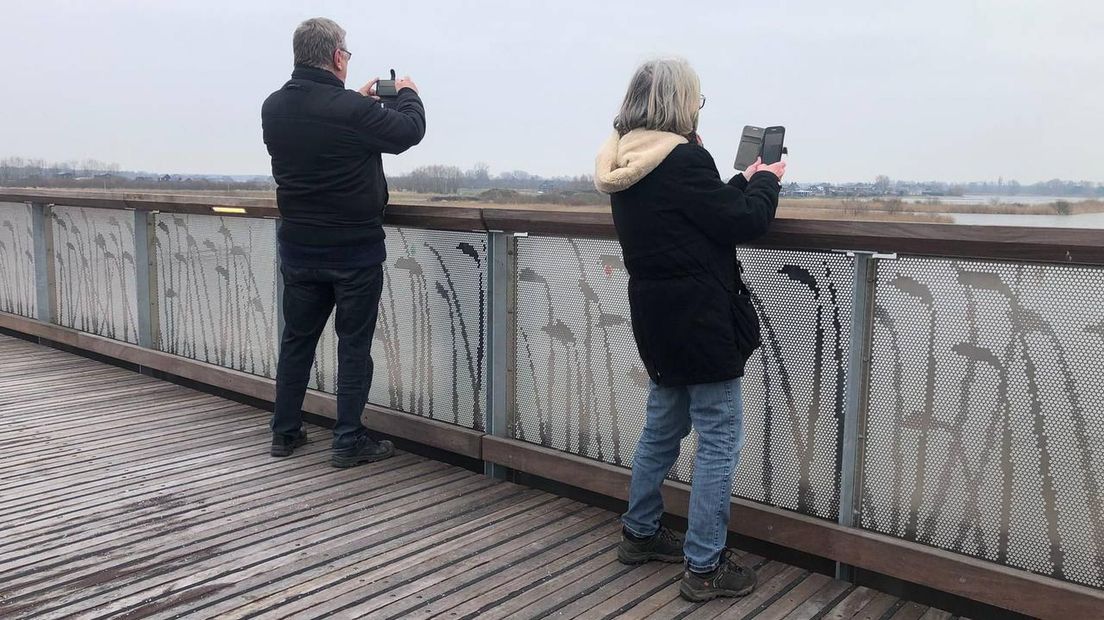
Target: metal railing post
x,y
501,274
279,291
45,283
852,444
145,272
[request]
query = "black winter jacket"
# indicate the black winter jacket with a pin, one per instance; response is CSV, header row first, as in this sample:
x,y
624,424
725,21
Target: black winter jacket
x,y
678,227
325,142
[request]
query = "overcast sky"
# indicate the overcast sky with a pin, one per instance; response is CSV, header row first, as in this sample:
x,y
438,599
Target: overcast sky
x,y
949,89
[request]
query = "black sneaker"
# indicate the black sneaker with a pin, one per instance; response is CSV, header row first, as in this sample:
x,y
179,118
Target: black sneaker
x,y
664,546
365,450
282,445
728,579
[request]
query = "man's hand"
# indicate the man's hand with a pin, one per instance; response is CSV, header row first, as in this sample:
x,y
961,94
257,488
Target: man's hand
x,y
405,82
369,89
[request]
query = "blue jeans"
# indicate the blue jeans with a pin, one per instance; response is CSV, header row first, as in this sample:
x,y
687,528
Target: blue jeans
x,y
309,297
716,411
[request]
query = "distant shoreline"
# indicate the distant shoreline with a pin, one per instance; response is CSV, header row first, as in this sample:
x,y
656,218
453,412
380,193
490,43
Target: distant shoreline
x,y
856,209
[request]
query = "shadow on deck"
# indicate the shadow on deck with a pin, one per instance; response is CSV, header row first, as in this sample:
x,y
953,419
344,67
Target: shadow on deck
x,y
126,496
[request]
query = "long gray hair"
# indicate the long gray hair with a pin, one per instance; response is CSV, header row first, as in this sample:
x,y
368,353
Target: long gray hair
x,y
664,95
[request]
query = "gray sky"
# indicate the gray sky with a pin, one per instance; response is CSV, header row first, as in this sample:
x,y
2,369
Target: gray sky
x,y
947,89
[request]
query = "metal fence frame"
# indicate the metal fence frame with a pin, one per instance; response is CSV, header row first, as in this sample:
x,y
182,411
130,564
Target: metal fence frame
x,y
501,365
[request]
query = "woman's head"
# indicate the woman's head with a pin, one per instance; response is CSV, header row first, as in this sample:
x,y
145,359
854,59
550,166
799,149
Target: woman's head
x,y
664,95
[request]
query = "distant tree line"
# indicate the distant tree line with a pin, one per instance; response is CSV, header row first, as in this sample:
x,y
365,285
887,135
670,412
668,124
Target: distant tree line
x,y
440,179
1000,187
91,173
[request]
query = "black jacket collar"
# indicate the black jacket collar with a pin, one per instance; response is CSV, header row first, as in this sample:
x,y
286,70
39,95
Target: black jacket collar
x,y
314,74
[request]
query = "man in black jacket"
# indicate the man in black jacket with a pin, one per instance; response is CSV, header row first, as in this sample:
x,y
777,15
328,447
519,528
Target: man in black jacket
x,y
326,144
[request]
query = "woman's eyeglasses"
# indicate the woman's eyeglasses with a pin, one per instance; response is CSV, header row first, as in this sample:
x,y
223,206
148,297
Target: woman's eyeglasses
x,y
702,102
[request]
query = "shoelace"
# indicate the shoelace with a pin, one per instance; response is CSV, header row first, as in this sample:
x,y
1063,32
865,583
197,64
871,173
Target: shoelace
x,y
669,537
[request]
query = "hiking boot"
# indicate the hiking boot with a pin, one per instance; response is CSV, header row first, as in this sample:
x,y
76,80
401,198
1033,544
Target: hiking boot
x,y
365,450
728,579
283,445
664,546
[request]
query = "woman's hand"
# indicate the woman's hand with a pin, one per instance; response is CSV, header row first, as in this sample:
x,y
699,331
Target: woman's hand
x,y
778,169
752,169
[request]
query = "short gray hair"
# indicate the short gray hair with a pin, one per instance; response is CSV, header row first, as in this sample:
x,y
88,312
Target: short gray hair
x,y
315,42
663,95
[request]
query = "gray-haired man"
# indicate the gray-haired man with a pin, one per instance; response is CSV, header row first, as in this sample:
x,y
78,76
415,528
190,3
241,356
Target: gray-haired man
x,y
326,144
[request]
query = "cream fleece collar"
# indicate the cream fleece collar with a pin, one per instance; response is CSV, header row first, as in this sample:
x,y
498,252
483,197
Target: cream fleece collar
x,y
624,160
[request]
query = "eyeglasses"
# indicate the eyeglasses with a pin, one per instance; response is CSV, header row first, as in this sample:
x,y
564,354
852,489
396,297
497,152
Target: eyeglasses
x,y
702,102
350,54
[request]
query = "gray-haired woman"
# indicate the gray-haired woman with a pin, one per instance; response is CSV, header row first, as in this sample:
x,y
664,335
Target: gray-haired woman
x,y
678,224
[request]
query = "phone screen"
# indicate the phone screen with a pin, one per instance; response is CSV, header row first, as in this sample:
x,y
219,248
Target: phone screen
x,y
772,147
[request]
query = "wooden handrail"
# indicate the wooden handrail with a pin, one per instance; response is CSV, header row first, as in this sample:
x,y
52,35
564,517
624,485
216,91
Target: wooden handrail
x,y
1015,243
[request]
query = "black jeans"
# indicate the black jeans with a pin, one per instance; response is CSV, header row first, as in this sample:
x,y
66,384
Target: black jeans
x,y
309,296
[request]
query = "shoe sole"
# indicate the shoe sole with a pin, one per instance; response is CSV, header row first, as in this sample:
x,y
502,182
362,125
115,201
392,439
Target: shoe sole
x,y
643,558
341,462
708,595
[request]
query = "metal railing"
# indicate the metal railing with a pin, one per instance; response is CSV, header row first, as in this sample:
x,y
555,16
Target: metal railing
x,y
949,395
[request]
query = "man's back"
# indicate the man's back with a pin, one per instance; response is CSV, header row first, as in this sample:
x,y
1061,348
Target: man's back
x,y
326,144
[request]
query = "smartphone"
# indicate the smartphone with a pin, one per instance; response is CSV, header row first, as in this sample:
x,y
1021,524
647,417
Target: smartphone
x,y
751,143
772,144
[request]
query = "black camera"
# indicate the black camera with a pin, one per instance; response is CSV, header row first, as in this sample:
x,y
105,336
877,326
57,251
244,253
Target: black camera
x,y
386,91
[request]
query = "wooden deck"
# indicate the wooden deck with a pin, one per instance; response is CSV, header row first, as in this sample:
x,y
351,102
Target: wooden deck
x,y
124,496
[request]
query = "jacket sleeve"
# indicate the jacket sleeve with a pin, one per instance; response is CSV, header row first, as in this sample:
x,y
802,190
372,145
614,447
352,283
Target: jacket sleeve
x,y
394,130
733,212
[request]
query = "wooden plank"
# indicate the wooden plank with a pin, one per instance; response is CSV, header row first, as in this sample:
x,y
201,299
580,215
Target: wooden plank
x,y
562,585
64,485
958,574
173,588
851,604
112,510
661,578
206,518
113,444
404,425
222,539
936,614
472,571
820,601
773,578
376,553
792,598
528,589
910,611
877,607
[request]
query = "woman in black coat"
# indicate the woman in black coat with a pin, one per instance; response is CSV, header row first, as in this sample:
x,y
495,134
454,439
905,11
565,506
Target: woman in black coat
x,y
678,224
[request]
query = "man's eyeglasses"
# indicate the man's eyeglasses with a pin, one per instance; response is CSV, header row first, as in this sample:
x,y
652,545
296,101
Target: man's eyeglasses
x,y
350,55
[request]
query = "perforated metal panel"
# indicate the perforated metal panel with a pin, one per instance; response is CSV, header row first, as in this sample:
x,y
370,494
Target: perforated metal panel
x,y
17,264
580,386
430,344
986,414
94,271
794,385
216,290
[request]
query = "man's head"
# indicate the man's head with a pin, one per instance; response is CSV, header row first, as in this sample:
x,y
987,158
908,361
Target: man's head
x,y
320,42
